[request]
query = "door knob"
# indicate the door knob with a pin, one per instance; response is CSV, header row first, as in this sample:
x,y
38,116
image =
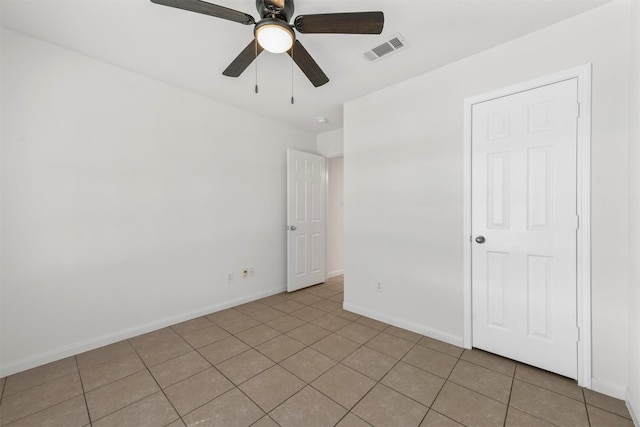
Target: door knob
x,y
480,239
292,228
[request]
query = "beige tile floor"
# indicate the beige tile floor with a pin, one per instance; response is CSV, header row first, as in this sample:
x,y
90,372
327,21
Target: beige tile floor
x,y
295,360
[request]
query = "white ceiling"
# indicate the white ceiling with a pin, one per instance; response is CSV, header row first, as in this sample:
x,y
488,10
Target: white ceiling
x,y
190,50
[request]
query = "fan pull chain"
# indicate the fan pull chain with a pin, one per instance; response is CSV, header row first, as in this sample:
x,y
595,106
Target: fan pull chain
x,y
255,44
292,61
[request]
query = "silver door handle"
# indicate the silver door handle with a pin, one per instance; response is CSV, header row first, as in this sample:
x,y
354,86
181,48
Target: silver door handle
x,y
480,239
292,228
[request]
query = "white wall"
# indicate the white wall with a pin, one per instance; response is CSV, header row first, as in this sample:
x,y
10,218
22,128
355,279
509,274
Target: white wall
x,y
331,144
124,203
335,216
404,190
633,394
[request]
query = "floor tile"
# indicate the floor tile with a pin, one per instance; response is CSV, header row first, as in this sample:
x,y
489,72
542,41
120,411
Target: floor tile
x,y
257,335
327,305
154,410
222,350
383,406
70,413
490,361
339,298
244,366
280,348
403,333
351,420
344,385
302,371
516,418
370,362
549,381
357,332
223,315
610,404
266,314
415,383
335,346
548,405
104,373
601,418
192,325
238,323
265,421
178,369
308,314
272,387
34,399
346,314
436,419
250,307
116,395
323,292
232,409
40,375
164,351
308,408
204,336
390,345
197,390
285,323
308,334
429,360
331,322
289,306
482,380
307,299
468,407
442,347
308,364
372,323
154,338
274,300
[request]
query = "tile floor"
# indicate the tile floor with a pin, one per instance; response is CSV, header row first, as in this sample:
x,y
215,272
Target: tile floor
x,y
295,360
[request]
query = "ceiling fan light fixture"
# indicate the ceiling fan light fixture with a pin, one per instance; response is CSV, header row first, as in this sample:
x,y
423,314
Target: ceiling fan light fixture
x,y
274,35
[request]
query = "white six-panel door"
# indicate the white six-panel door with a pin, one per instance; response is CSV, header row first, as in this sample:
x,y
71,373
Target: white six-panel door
x,y
524,226
306,223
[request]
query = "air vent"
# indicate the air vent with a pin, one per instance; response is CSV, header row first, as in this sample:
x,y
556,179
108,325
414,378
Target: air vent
x,y
394,44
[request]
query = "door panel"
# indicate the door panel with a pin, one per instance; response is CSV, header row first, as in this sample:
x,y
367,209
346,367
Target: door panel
x,y
524,205
306,183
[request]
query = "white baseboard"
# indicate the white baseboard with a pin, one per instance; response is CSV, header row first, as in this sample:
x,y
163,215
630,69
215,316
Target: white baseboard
x,y
633,409
100,341
610,389
335,273
401,323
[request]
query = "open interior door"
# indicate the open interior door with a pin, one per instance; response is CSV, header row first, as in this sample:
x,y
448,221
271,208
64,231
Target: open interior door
x,y
306,222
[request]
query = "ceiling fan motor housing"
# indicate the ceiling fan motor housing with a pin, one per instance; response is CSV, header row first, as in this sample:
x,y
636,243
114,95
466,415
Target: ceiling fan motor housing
x,y
281,9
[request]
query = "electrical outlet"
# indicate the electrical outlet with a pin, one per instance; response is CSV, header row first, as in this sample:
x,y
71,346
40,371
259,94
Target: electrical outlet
x,y
229,277
245,273
252,271
379,286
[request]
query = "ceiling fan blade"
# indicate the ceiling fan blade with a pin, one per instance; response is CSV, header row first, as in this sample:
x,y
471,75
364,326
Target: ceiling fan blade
x,y
209,9
243,60
341,23
308,66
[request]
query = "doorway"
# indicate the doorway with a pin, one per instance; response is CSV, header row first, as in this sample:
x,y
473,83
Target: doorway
x,y
335,216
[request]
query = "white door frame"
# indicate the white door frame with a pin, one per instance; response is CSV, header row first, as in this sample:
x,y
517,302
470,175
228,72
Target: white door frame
x,y
583,74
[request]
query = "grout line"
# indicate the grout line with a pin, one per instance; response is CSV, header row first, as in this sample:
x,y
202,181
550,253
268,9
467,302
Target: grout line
x,y
84,394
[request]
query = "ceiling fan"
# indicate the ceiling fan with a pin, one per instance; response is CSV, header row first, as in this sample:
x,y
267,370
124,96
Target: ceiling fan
x,y
274,33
